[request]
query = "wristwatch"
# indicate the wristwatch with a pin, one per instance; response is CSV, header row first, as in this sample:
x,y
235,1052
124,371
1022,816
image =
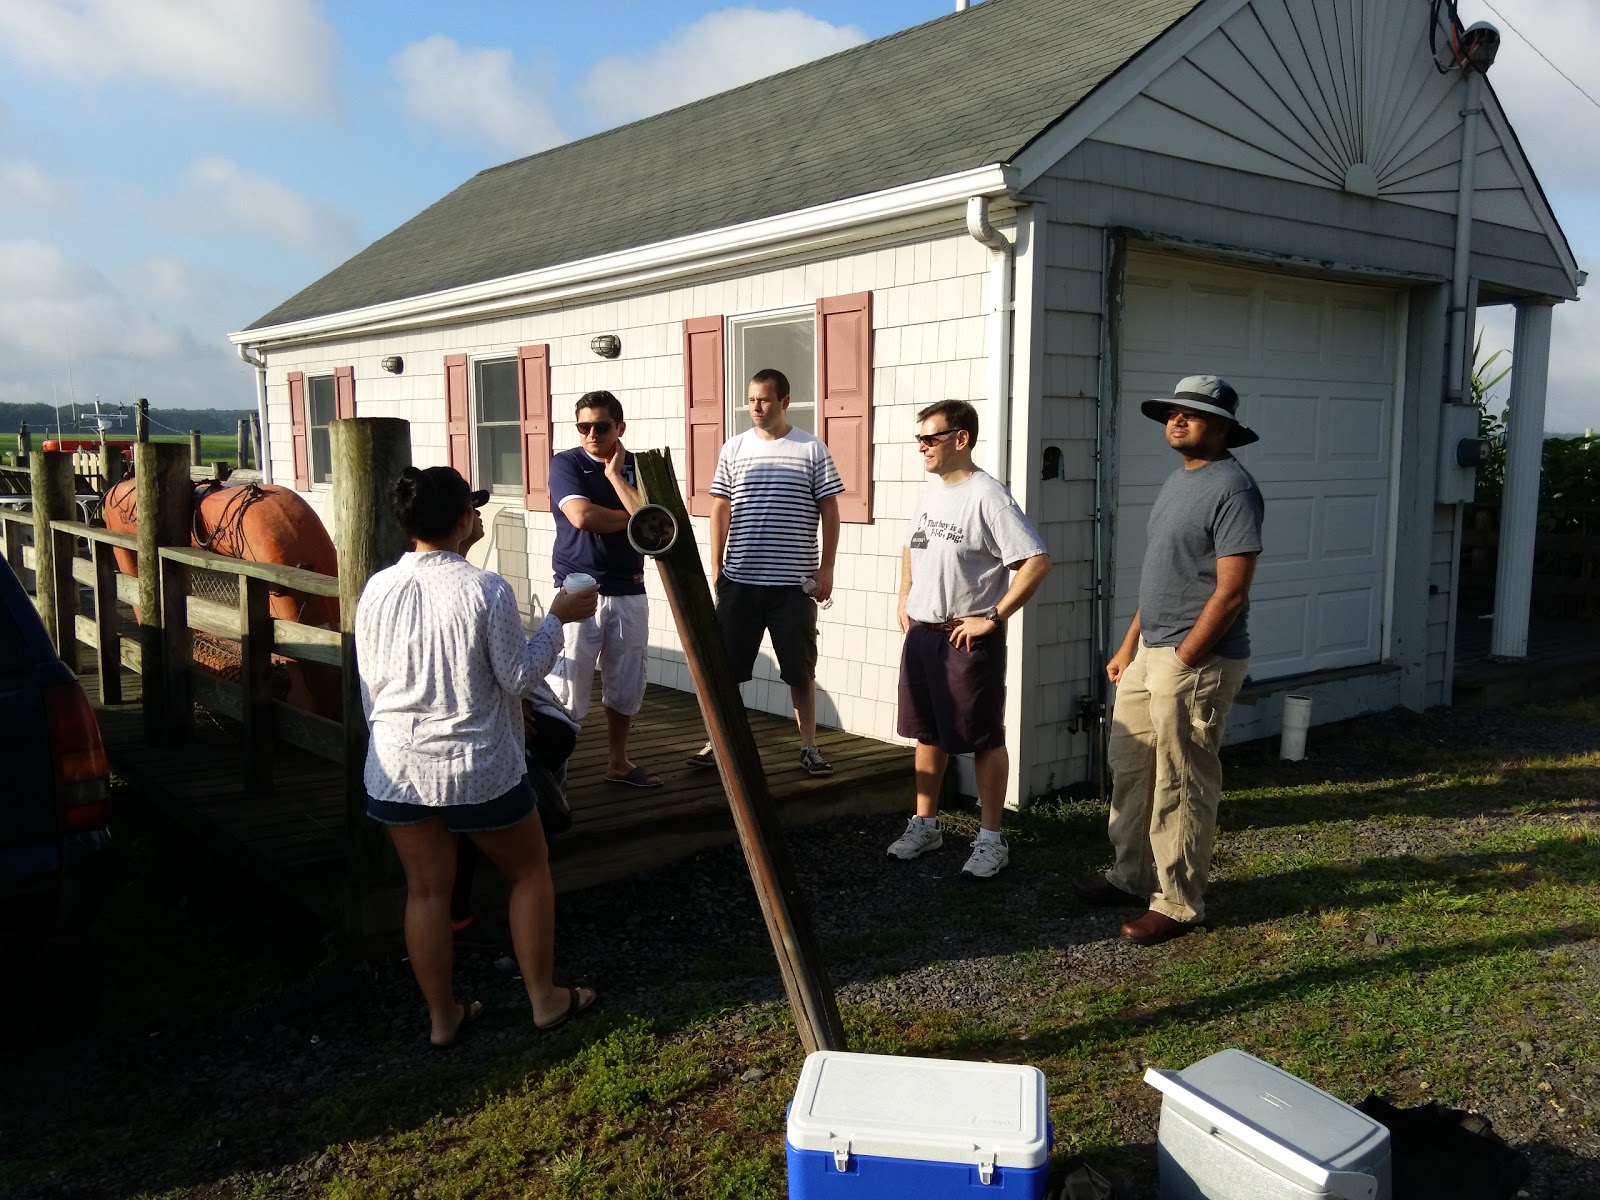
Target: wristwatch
x,y
994,615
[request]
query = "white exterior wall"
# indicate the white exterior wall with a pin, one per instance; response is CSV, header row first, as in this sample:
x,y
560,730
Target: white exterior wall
x,y
929,305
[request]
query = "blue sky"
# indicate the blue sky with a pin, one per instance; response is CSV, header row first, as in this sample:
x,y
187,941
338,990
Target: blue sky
x,y
172,169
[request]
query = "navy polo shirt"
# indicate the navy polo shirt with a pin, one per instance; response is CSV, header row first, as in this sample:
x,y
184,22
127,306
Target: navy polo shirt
x,y
607,556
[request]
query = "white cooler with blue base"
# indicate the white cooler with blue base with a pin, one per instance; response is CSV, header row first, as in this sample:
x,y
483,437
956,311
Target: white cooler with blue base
x,y
871,1125
1236,1128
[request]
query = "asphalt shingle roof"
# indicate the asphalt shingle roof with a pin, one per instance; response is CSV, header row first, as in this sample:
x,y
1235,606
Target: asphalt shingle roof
x,y
962,91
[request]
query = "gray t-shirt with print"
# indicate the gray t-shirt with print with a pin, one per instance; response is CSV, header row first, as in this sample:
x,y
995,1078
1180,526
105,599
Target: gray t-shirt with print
x,y
965,538
1199,516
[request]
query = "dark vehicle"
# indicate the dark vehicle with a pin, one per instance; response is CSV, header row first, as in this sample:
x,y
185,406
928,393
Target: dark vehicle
x,y
54,786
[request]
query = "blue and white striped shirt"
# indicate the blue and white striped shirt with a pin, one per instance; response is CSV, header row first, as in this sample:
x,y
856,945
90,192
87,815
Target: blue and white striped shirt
x,y
773,485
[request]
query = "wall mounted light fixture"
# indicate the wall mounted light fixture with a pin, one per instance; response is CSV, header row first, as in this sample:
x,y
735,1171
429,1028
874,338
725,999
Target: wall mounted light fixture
x,y
607,345
394,364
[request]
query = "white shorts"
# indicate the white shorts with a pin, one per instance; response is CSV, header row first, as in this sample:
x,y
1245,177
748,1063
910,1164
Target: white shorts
x,y
617,638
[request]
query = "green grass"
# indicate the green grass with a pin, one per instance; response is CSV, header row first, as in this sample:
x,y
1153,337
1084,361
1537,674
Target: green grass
x,y
213,447
1417,971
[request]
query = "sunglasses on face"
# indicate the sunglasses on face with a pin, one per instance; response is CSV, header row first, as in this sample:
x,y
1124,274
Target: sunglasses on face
x,y
601,428
929,440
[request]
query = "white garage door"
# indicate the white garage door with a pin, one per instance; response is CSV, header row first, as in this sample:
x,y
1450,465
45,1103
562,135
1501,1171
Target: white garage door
x,y
1314,364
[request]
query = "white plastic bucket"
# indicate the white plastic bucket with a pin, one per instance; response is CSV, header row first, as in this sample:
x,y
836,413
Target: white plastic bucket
x,y
1296,720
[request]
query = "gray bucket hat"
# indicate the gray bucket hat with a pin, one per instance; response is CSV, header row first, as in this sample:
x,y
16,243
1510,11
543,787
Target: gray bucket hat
x,y
1207,394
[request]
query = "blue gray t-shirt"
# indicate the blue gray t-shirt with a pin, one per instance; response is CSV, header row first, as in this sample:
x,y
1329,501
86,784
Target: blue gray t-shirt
x,y
1199,516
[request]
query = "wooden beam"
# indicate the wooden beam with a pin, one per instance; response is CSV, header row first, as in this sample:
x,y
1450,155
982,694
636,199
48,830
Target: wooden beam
x,y
53,589
368,454
241,446
309,643
112,467
194,449
105,620
755,816
294,579
255,677
165,510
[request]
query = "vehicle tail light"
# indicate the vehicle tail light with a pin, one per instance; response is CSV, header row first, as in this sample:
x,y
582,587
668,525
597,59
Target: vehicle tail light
x,y
82,777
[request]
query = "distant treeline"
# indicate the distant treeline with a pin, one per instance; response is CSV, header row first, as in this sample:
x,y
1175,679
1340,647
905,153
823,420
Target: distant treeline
x,y
41,419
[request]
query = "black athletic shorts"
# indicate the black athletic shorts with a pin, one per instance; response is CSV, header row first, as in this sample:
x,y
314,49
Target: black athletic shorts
x,y
949,697
745,611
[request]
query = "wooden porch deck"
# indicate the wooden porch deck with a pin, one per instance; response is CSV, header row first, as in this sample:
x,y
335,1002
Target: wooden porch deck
x,y
1563,660
294,841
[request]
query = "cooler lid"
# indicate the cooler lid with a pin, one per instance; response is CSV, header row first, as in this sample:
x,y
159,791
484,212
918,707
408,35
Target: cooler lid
x,y
1321,1127
929,1109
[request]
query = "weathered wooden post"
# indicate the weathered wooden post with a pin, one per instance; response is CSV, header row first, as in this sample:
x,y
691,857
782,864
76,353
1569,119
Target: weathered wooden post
x,y
105,620
195,449
24,445
112,467
368,454
241,447
783,905
255,678
141,421
165,498
255,444
54,589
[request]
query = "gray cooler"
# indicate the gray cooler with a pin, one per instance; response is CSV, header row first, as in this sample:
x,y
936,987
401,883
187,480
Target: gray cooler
x,y
1236,1128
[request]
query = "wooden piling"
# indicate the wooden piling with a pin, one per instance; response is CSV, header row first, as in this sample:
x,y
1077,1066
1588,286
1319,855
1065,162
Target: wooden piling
x,y
241,447
367,455
112,467
755,816
54,589
24,445
165,498
141,420
255,444
255,679
195,449
109,654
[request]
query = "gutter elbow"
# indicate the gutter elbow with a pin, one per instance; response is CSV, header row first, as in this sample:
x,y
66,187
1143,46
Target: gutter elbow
x,y
979,227
250,357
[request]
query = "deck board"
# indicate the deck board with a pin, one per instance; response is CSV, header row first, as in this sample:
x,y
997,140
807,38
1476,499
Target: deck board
x,y
295,838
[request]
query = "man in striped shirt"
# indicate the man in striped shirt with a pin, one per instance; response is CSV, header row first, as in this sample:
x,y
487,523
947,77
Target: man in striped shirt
x,y
773,485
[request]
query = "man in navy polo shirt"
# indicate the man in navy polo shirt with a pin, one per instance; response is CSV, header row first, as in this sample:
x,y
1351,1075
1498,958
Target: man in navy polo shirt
x,y
593,490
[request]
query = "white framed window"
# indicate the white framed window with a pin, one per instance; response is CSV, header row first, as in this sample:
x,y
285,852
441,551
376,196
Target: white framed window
x,y
497,425
783,340
322,408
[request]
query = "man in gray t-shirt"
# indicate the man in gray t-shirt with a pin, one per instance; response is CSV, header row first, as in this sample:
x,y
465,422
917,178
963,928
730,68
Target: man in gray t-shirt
x,y
956,590
1180,666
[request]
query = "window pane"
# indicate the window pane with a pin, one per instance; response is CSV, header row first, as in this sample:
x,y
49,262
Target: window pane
x,y
321,406
500,456
321,455
786,344
497,391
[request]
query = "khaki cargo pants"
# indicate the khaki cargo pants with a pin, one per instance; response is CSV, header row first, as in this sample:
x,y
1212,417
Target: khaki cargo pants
x,y
1166,730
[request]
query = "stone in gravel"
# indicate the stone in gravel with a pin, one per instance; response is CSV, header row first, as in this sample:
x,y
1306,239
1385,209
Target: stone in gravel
x,y
1525,1049
1372,939
753,1075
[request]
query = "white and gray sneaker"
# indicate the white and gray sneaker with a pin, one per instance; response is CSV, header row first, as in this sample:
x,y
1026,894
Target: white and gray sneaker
x,y
916,840
988,856
813,763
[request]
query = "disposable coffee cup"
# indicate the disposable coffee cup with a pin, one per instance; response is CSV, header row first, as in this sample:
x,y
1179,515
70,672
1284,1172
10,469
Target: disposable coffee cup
x,y
579,581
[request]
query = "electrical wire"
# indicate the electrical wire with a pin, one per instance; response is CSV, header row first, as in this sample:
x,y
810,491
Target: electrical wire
x,y
1542,54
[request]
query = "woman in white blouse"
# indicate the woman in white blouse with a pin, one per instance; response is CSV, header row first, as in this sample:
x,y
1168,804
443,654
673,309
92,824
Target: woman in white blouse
x,y
444,665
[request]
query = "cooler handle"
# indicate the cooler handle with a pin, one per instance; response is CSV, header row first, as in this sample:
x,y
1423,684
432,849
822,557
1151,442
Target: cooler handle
x,y
1351,1185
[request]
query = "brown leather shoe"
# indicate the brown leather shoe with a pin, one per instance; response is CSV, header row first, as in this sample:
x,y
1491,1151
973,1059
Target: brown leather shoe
x,y
1154,928
1100,892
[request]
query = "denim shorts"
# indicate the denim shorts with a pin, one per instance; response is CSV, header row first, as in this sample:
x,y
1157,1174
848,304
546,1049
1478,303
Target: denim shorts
x,y
505,810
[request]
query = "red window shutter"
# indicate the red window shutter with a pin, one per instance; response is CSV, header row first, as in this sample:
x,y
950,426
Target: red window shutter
x,y
533,391
297,431
706,404
844,396
344,392
458,415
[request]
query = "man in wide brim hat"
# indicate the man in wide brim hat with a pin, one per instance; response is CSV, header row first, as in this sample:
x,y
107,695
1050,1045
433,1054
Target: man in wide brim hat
x,y
1203,394
1179,667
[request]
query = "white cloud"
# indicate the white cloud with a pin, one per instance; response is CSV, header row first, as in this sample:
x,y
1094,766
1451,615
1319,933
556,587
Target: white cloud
x,y
24,185
477,94
51,306
277,57
719,51
164,278
223,196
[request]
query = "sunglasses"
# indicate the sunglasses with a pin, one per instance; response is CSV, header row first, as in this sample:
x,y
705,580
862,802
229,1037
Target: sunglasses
x,y
601,428
929,440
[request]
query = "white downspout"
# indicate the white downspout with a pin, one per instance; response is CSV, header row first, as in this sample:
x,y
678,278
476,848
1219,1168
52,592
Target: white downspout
x,y
997,458
260,364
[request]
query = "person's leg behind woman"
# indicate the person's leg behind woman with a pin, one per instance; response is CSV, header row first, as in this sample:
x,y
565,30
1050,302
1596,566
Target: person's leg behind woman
x,y
427,851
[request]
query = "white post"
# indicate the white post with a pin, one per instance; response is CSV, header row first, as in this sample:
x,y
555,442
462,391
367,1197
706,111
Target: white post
x,y
1519,504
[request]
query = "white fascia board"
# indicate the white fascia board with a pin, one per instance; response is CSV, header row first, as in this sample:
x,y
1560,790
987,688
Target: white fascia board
x,y
890,210
1523,169
1115,93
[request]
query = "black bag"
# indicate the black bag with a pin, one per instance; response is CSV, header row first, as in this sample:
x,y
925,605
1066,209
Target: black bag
x,y
1075,1179
1438,1153
550,743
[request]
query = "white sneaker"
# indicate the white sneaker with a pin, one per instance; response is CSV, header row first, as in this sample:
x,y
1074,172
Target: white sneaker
x,y
988,856
916,840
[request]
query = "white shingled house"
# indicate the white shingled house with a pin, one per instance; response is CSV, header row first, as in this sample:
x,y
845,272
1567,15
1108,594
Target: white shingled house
x,y
1309,199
